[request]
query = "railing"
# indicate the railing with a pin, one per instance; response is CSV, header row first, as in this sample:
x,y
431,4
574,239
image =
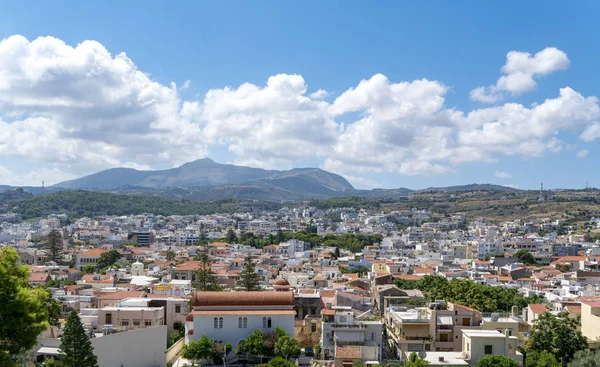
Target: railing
x,y
348,326
414,321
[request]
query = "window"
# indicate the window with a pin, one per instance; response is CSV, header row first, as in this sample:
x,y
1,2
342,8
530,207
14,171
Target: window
x,y
269,323
220,322
488,349
239,323
466,321
216,323
313,327
136,323
264,322
108,319
177,325
125,323
245,326
147,323
177,308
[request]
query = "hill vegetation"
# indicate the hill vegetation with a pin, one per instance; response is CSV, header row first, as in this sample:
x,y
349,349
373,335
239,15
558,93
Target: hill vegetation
x,y
79,203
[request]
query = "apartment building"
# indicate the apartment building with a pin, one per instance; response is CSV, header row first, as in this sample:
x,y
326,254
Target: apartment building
x,y
437,327
346,339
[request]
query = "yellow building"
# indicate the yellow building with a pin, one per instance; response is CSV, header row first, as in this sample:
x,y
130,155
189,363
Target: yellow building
x,y
590,320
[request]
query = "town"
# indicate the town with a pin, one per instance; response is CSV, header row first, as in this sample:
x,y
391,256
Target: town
x,y
320,287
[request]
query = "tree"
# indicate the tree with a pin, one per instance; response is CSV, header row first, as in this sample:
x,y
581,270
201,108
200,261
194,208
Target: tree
x,y
558,335
53,245
415,361
280,362
76,349
585,358
541,359
231,236
107,259
54,309
88,269
205,277
171,255
248,279
198,350
525,257
22,314
254,344
286,347
496,361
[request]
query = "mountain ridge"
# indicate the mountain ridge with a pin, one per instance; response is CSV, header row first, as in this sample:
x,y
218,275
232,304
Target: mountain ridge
x,y
299,182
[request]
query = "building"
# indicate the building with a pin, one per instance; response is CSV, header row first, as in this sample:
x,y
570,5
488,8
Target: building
x,y
590,320
90,257
144,239
437,327
229,317
482,343
345,339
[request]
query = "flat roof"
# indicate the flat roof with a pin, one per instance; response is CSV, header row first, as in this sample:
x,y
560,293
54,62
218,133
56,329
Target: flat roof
x,y
474,333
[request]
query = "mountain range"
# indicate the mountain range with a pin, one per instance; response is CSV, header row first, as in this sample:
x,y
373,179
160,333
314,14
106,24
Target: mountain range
x,y
210,180
206,180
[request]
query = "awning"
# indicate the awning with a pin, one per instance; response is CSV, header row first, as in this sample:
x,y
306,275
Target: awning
x,y
444,320
49,351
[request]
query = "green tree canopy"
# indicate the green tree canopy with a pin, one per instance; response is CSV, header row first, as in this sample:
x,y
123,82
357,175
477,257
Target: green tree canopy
x,y
541,359
198,350
585,358
415,361
468,293
231,236
286,347
557,335
22,315
248,279
76,349
205,279
171,255
496,361
107,259
525,257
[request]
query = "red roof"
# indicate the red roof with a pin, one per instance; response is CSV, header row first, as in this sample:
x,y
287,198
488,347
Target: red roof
x,y
92,253
538,308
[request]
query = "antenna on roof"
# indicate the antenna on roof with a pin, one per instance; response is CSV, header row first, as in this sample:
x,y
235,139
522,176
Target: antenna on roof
x,y
42,187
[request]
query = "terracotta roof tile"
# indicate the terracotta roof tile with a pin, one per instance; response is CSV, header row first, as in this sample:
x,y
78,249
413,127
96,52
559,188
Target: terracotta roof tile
x,y
352,352
537,308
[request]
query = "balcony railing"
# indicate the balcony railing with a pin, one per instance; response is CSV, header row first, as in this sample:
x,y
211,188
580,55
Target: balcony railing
x,y
348,326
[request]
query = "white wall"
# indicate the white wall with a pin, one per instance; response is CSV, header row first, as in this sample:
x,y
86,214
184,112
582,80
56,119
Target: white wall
x,y
204,325
136,348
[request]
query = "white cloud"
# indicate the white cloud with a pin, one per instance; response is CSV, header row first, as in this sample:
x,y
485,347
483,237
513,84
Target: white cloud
x,y
270,125
86,109
520,70
591,132
362,183
582,153
75,110
502,174
320,94
34,177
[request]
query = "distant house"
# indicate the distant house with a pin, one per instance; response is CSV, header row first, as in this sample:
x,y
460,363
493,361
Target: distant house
x,y
233,316
88,257
38,278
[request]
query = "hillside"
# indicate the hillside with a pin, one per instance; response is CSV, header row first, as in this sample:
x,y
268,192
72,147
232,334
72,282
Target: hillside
x,y
79,203
259,184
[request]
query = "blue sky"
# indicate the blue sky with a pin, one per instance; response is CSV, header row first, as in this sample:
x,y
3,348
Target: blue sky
x,y
202,46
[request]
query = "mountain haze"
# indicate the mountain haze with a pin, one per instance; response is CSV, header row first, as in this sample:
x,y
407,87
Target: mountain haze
x,y
206,175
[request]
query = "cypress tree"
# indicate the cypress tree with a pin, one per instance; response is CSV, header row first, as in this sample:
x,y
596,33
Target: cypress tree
x,y
76,349
248,280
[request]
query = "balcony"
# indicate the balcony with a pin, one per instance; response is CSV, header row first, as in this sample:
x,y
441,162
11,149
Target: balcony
x,y
414,321
348,326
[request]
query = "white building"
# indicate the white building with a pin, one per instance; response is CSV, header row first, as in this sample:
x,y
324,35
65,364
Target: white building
x,y
232,316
